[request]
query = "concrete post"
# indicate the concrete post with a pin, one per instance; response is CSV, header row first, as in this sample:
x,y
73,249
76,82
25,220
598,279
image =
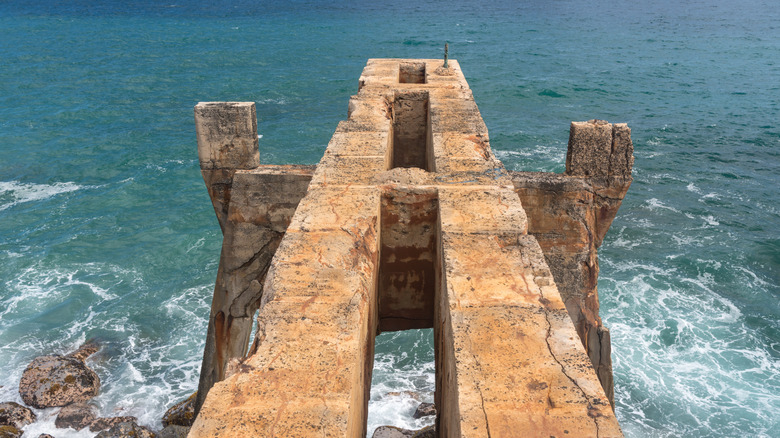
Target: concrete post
x,y
227,142
569,215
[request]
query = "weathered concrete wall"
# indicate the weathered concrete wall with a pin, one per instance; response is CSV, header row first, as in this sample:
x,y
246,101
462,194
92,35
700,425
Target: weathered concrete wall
x,y
407,271
379,242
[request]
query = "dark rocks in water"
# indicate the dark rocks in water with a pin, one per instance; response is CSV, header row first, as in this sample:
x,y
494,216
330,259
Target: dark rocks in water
x,y
128,429
57,380
88,349
182,413
174,431
10,432
397,432
16,415
391,432
425,432
104,423
45,435
76,416
425,410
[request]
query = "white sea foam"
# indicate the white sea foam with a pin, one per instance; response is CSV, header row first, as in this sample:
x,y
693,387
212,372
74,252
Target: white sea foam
x,y
199,243
400,382
656,204
38,284
697,351
15,192
45,424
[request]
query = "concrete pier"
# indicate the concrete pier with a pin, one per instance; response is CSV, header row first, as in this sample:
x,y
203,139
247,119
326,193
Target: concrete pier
x,y
408,221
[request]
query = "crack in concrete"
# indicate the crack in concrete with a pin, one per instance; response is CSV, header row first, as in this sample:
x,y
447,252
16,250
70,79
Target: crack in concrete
x,y
259,252
487,424
563,369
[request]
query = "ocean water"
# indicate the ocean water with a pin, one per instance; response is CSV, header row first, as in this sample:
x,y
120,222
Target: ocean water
x,y
107,232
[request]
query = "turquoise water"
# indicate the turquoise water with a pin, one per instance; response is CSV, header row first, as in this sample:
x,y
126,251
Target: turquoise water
x,y
106,229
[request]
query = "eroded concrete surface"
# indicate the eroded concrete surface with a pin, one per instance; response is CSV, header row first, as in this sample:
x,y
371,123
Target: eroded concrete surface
x,y
408,221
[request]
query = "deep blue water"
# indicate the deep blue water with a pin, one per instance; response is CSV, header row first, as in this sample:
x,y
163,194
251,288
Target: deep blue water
x,y
106,229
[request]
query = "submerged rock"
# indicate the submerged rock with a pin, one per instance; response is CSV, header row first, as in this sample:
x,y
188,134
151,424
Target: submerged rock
x,y
45,435
128,429
104,423
182,413
57,380
424,410
174,431
16,415
10,432
76,416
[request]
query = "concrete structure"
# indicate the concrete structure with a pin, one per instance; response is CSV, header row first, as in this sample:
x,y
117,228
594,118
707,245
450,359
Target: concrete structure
x,y
408,221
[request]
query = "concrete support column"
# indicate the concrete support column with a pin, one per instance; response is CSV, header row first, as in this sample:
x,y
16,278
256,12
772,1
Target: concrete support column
x,y
227,141
570,214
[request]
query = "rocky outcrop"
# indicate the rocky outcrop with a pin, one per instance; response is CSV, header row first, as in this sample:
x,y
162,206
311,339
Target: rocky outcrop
x,y
16,415
182,413
57,380
397,432
10,432
391,432
425,432
104,423
174,431
87,349
424,410
75,416
128,429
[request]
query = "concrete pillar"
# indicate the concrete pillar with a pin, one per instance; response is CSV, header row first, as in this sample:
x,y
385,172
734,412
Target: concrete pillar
x,y
254,205
227,141
570,214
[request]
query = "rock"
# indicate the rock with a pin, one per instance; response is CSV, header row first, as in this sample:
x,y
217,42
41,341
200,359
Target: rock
x,y
174,431
128,429
10,432
425,410
182,413
76,416
88,349
425,432
391,432
45,435
104,423
16,415
59,380
397,432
